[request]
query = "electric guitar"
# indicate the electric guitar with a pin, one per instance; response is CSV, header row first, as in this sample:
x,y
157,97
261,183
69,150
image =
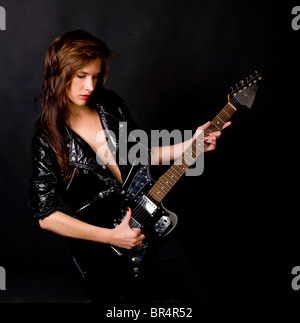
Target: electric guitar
x,y
144,196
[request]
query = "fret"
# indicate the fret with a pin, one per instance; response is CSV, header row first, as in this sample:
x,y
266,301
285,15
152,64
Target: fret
x,y
224,111
217,125
183,161
164,184
223,117
232,106
169,179
166,181
188,160
176,171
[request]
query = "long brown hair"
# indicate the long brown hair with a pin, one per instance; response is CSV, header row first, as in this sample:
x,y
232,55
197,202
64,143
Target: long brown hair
x,y
67,54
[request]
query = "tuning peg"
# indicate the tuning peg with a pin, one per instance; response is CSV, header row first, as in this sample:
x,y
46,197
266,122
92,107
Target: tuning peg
x,y
242,82
251,76
256,73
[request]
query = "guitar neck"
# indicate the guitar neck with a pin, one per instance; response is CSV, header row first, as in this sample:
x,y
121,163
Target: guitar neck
x,y
164,184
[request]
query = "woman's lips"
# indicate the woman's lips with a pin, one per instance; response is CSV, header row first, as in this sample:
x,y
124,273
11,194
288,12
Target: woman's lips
x,y
84,97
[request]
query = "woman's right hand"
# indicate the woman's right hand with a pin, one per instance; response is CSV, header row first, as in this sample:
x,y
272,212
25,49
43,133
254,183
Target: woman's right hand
x,y
125,237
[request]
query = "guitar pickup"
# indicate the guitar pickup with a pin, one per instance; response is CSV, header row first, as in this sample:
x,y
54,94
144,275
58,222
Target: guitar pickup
x,y
147,204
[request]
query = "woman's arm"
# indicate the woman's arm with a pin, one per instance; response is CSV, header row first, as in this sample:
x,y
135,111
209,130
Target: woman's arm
x,y
122,236
43,201
166,154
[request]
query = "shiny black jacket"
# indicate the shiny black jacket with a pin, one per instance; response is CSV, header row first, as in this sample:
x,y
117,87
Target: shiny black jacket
x,y
90,180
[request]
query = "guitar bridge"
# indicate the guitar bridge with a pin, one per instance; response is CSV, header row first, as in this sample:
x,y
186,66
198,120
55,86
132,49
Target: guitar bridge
x,y
162,224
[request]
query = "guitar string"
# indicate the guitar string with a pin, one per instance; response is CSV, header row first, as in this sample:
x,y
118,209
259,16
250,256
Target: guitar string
x,y
139,212
136,212
188,158
188,153
143,214
223,113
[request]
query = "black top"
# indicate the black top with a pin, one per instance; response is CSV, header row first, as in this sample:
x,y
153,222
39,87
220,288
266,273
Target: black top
x,y
90,179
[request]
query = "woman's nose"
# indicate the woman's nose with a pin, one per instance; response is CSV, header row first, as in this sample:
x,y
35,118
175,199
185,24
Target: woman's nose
x,y
89,84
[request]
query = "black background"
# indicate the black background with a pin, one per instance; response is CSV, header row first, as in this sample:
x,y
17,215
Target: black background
x,y
178,60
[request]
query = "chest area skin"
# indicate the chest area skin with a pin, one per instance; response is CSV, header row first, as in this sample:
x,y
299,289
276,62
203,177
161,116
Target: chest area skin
x,y
89,127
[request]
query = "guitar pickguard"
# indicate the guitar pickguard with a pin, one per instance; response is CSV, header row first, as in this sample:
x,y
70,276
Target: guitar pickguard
x,y
139,181
147,213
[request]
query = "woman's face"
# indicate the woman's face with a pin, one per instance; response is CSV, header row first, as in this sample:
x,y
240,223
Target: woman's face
x,y
83,83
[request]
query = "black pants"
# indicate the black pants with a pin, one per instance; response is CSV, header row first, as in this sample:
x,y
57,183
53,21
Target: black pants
x,y
168,276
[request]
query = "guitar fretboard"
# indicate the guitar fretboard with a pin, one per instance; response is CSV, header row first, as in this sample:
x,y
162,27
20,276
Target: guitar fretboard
x,y
164,184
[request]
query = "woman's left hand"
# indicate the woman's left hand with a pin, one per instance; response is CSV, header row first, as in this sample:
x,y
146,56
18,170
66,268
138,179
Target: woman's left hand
x,y
211,137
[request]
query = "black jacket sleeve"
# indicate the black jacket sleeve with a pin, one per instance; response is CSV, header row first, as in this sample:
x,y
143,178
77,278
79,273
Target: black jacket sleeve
x,y
45,181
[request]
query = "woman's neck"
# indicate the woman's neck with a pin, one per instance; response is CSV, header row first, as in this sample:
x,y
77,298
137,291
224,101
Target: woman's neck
x,y
80,115
77,111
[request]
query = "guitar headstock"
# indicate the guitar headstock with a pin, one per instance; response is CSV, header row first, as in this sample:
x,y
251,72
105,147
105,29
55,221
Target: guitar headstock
x,y
244,92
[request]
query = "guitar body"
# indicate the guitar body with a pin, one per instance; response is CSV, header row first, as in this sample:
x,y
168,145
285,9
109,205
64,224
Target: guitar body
x,y
147,214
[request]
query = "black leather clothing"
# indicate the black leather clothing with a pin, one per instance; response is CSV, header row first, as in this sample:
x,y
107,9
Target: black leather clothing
x,y
90,179
107,275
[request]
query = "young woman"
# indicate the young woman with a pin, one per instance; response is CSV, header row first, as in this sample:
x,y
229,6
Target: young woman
x,y
76,109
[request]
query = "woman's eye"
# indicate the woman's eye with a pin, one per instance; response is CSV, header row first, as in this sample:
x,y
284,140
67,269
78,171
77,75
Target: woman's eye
x,y
80,76
95,76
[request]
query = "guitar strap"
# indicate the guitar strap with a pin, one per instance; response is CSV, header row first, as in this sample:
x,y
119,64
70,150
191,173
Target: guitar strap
x,y
71,179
